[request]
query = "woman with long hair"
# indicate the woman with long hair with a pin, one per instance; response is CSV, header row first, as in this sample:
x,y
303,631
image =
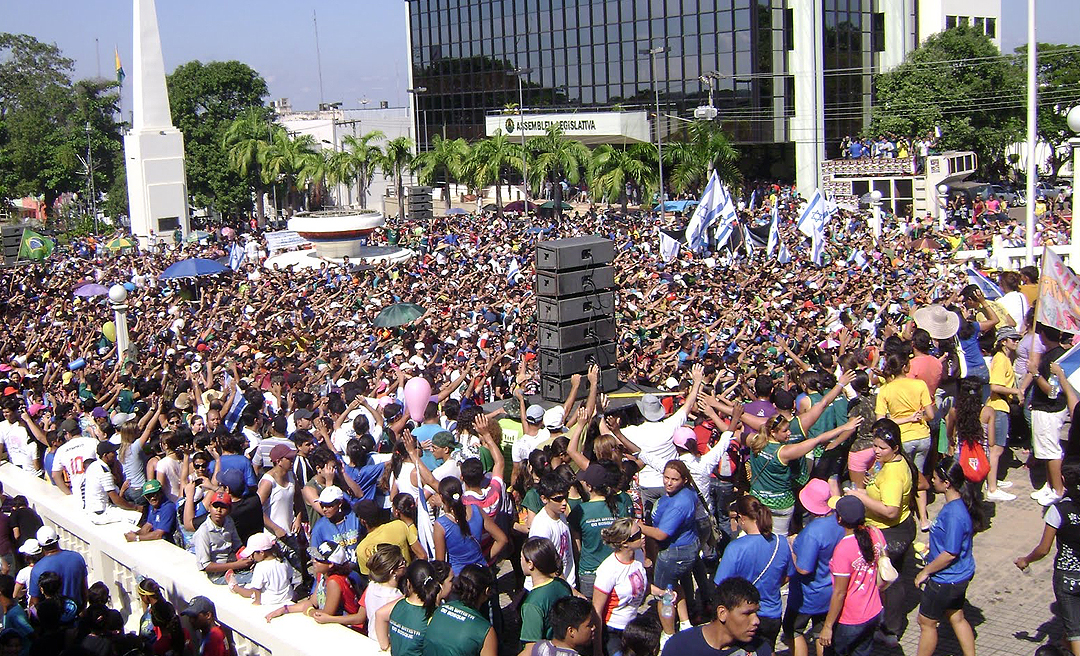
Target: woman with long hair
x,y
1063,526
951,565
674,529
401,626
603,505
907,402
856,605
333,595
621,583
774,464
888,499
761,557
861,452
457,533
460,624
540,560
132,454
1002,387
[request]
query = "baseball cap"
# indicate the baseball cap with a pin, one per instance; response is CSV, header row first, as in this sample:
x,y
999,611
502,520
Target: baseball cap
x,y
151,487
683,434
444,439
850,510
256,542
303,413
198,606
70,426
595,475
534,414
106,447
121,418
1006,332
232,480
224,498
46,536
329,552
98,413
281,451
331,494
30,548
553,417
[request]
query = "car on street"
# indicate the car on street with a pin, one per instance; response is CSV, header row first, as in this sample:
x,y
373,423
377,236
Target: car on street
x,y
1013,198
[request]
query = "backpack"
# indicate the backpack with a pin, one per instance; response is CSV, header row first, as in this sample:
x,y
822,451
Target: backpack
x,y
974,462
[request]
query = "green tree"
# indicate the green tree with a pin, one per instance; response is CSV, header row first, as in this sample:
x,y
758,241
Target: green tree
x,y
555,158
443,161
205,100
700,148
489,162
365,157
397,158
613,167
245,140
315,171
92,125
958,82
283,160
1058,73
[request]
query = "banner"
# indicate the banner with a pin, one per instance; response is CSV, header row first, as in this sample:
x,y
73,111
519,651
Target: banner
x,y
1059,294
279,241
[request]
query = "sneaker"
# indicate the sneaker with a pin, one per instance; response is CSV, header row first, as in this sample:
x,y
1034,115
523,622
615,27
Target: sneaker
x,y
1050,498
887,639
1040,492
999,495
1004,485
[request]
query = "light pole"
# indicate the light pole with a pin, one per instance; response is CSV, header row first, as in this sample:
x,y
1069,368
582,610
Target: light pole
x,y
90,175
1073,119
653,52
416,112
875,205
942,198
118,299
521,72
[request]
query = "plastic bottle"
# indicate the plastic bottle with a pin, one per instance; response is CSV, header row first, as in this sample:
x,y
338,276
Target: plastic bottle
x,y
1055,387
667,604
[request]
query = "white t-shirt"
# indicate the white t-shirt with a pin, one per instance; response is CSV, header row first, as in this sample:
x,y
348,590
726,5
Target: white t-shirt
x,y
526,444
273,577
558,531
21,447
654,440
70,457
171,468
97,483
1016,304
23,576
625,585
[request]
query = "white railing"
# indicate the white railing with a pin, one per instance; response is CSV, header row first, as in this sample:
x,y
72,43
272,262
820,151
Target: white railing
x,y
1014,257
118,563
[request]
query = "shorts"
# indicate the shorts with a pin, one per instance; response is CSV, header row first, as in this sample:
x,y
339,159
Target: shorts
x,y
861,461
940,597
1067,593
1046,434
804,624
674,562
781,519
768,630
1001,428
916,451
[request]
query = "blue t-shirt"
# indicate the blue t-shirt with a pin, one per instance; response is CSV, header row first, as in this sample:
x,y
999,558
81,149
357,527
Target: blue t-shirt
x,y
674,515
367,477
972,352
241,464
163,518
72,570
749,557
423,433
345,532
952,531
813,549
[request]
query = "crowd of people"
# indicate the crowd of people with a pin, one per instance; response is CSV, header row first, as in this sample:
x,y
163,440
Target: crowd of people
x,y
767,495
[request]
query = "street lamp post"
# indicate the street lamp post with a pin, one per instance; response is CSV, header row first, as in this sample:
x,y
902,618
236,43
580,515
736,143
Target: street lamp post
x,y
416,113
1073,119
521,72
875,205
942,197
653,52
118,300
90,175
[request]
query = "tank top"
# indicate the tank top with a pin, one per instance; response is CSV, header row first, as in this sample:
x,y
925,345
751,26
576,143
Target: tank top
x,y
1067,558
464,548
408,624
349,603
279,505
461,631
770,479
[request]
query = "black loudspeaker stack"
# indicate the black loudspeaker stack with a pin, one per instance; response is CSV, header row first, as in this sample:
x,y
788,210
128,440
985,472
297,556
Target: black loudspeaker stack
x,y
575,297
419,207
12,241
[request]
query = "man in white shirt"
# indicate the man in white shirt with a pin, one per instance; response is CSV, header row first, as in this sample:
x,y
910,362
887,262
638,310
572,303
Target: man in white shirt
x,y
21,447
550,523
71,456
100,496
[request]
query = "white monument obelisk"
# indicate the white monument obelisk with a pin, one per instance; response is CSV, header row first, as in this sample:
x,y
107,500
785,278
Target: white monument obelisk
x,y
154,149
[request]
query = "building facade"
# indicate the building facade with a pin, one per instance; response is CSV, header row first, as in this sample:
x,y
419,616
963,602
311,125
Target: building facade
x,y
789,78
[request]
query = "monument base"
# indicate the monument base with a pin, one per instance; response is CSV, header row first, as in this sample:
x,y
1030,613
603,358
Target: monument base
x,y
310,258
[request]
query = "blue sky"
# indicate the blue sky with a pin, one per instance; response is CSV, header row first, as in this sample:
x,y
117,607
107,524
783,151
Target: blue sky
x,y
362,42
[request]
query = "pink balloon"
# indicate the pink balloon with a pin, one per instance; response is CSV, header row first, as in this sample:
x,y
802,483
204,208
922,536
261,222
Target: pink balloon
x,y
417,395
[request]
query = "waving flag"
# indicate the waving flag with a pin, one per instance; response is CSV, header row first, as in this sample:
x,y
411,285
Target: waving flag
x,y
774,233
817,212
119,68
989,289
669,247
716,205
236,257
512,270
34,246
817,245
753,199
784,256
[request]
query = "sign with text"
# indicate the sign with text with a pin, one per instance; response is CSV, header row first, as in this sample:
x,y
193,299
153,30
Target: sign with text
x,y
1059,294
588,127
283,239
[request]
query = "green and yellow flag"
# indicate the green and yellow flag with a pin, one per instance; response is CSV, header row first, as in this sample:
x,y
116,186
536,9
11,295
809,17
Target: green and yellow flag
x,y
119,67
35,246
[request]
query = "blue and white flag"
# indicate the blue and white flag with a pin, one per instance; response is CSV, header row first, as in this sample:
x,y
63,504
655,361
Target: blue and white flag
x,y
236,257
774,233
753,199
716,205
817,245
859,258
669,248
784,256
512,270
747,242
816,213
989,289
237,409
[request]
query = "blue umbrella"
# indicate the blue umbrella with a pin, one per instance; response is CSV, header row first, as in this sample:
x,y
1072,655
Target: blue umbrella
x,y
91,289
196,266
456,210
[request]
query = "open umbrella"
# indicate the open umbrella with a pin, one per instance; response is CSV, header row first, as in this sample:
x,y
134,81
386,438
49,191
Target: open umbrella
x,y
490,207
925,244
399,314
91,289
456,210
198,235
119,243
519,206
550,205
196,266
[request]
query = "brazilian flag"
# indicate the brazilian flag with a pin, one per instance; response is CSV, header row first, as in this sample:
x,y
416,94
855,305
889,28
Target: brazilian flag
x,y
35,246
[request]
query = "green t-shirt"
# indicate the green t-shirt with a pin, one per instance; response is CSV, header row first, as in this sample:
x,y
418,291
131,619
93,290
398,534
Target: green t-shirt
x,y
770,480
126,399
535,607
532,500
408,624
461,631
587,520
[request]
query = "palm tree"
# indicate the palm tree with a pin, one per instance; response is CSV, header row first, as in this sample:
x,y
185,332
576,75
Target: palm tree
x,y
691,159
396,159
555,158
315,171
612,168
365,158
244,141
284,159
444,158
489,160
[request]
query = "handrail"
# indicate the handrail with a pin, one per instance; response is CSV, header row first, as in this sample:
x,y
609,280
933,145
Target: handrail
x,y
117,562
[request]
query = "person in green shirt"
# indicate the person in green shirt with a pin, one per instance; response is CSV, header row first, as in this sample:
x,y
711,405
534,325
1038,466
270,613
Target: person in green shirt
x,y
458,627
541,561
573,629
401,626
604,505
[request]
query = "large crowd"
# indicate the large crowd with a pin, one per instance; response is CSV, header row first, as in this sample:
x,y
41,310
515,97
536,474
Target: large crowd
x,y
766,493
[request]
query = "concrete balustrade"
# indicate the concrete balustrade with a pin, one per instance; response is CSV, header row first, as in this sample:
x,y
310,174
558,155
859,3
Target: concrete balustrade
x,y
119,563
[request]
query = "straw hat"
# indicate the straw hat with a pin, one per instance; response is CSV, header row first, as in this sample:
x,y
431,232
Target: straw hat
x,y
938,321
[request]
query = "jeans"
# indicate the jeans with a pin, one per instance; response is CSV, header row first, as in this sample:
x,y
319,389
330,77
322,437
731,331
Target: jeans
x,y
722,494
586,582
855,639
673,562
898,541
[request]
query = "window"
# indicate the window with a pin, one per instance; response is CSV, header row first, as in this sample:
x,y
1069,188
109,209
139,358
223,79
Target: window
x,y
991,28
980,24
789,29
877,34
963,20
950,22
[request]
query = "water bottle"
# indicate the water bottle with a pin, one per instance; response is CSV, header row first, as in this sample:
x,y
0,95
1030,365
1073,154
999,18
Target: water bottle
x,y
1055,387
667,604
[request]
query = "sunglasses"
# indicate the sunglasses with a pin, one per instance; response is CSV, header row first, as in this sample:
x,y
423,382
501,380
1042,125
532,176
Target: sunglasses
x,y
558,499
200,465
635,537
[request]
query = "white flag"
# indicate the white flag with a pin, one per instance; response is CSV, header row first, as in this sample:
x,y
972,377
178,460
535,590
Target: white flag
x,y
716,205
784,256
817,212
669,248
774,233
817,245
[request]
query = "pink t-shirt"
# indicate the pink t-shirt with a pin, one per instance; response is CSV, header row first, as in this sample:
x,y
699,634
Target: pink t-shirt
x,y
926,368
862,602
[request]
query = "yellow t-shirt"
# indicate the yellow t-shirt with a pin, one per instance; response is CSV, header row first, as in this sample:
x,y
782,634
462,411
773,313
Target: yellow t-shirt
x,y
396,532
901,398
892,487
1001,373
